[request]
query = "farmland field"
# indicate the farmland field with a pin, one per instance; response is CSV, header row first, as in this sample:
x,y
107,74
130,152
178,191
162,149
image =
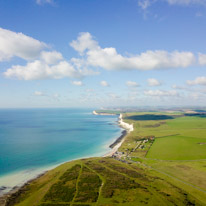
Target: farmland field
x,y
178,148
188,144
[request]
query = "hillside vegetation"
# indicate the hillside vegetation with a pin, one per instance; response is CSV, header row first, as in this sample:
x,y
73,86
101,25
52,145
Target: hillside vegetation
x,y
102,181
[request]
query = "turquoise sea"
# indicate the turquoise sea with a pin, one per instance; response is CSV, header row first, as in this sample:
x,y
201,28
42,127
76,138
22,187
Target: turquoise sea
x,y
33,140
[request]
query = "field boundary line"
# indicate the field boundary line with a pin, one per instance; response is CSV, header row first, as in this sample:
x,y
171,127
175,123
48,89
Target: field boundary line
x,y
167,136
149,148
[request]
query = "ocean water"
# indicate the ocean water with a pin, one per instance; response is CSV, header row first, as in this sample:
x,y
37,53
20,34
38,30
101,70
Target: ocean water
x,y
33,140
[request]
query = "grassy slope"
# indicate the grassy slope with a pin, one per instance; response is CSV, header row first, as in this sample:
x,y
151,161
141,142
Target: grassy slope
x,y
104,181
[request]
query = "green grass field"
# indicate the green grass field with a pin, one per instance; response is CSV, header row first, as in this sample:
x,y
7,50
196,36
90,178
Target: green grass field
x,y
181,138
178,148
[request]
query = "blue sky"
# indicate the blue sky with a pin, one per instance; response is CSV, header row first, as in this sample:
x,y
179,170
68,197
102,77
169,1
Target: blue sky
x,y
100,53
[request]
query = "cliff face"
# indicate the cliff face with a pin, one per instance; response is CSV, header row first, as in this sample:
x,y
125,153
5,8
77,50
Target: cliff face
x,y
128,127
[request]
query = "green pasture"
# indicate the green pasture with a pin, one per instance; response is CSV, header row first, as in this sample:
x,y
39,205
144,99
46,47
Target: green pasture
x,y
178,148
177,137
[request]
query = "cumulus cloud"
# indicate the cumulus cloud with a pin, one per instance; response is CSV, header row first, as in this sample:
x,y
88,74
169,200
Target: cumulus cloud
x,y
40,2
153,82
20,45
132,84
197,81
40,70
51,64
40,64
109,59
160,93
51,57
84,42
77,83
202,59
104,83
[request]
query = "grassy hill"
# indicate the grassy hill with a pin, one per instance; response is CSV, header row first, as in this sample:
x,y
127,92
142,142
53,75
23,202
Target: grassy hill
x,y
102,181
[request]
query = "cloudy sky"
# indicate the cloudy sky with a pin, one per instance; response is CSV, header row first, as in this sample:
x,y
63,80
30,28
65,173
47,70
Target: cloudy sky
x,y
100,53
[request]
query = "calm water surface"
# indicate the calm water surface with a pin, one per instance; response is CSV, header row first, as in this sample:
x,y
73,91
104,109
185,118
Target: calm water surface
x,y
34,138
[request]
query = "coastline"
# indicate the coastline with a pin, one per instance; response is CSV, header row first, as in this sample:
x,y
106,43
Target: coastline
x,y
118,142
16,190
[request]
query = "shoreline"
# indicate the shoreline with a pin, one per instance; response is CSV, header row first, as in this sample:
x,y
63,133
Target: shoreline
x,y
118,142
16,190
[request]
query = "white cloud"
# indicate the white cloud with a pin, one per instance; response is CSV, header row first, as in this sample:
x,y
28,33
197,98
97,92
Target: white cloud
x,y
84,42
19,45
51,57
41,64
104,83
197,81
109,59
40,70
39,93
144,4
153,82
202,59
132,84
40,2
160,93
186,2
52,65
77,83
